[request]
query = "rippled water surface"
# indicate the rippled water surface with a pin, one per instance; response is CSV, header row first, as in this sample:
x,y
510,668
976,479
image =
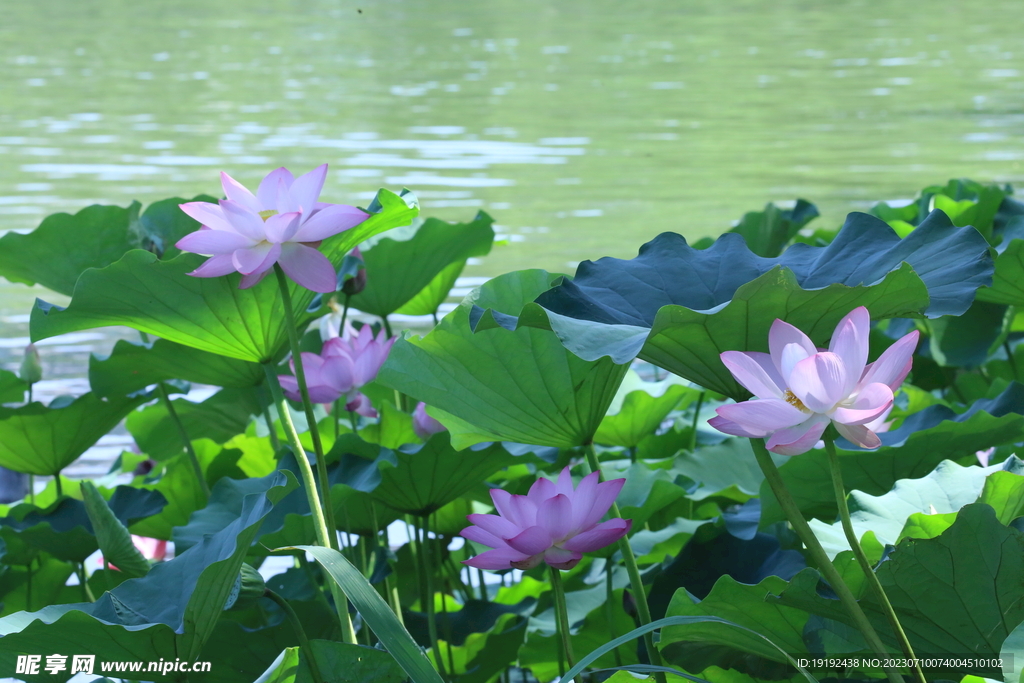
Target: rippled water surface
x,y
584,127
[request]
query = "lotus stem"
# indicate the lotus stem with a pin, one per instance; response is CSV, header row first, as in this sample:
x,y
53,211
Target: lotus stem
x,y
696,420
309,484
862,558
562,619
83,580
314,431
275,443
300,633
636,582
1006,346
60,487
427,582
183,433
344,314
818,555
609,608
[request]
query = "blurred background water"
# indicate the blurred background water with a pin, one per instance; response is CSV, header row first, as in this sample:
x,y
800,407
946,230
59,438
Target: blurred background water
x,y
585,127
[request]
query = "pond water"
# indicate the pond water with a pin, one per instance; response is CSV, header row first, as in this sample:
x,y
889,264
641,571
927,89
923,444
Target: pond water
x,y
585,127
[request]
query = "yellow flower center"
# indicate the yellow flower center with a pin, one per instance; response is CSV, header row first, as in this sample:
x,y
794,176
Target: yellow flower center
x,y
267,214
792,400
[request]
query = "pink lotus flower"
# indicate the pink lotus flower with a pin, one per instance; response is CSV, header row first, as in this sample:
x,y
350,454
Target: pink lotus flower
x,y
343,366
282,223
423,424
553,523
799,389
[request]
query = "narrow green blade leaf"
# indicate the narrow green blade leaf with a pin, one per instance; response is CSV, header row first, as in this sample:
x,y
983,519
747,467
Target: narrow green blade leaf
x,y
376,613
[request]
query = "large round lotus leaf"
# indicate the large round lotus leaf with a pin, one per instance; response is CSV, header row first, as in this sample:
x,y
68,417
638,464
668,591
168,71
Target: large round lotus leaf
x,y
680,307
209,314
516,385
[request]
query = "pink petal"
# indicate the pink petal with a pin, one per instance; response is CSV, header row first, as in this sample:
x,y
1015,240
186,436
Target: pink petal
x,y
751,375
493,524
478,535
290,385
564,483
254,259
267,192
282,226
798,439
782,335
252,279
819,381
502,500
859,434
499,558
766,414
306,189
605,495
243,221
895,362
531,541
308,267
872,402
237,192
583,499
337,372
329,222
215,267
542,490
524,509
850,343
555,515
528,563
323,393
562,559
602,535
736,429
210,215
213,242
362,405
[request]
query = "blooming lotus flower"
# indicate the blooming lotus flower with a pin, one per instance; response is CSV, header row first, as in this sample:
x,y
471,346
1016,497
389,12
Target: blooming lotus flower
x,y
423,424
552,523
799,389
343,366
282,223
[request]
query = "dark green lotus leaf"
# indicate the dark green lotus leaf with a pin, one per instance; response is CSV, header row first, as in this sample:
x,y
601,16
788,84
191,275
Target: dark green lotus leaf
x,y
680,307
925,439
220,417
475,616
434,294
169,613
967,340
428,476
12,388
208,314
398,270
131,367
163,223
37,439
345,663
698,645
768,232
946,489
502,385
49,579
972,599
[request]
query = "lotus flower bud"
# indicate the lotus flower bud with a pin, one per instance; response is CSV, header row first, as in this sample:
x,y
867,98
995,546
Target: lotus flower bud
x,y
31,370
357,282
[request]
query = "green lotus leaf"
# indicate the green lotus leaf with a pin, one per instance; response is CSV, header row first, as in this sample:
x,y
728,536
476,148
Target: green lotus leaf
x,y
131,367
502,385
1008,282
398,270
946,489
696,646
641,408
169,613
208,314
37,439
972,600
12,388
680,308
219,418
